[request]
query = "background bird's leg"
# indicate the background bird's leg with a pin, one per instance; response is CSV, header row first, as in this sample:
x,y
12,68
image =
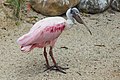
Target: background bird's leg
x,y
45,55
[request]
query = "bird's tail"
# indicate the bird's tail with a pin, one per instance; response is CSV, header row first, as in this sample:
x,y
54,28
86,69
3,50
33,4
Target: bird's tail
x,y
22,40
26,39
26,48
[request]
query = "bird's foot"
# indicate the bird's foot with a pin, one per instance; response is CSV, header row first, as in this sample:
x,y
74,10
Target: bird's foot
x,y
56,68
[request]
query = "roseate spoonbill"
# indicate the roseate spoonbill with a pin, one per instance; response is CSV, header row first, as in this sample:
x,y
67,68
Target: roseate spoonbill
x,y
45,33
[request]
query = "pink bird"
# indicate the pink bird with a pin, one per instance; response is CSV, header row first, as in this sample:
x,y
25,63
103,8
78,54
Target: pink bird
x,y
46,32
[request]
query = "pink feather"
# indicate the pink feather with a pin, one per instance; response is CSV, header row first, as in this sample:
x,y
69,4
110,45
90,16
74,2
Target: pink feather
x,y
43,33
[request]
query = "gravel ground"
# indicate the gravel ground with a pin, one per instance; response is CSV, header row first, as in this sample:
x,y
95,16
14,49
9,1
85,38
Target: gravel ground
x,y
89,57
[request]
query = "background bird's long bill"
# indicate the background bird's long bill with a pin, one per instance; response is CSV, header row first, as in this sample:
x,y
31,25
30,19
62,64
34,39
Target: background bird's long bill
x,y
79,20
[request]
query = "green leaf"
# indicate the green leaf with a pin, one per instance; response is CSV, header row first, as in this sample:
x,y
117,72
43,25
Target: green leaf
x,y
16,5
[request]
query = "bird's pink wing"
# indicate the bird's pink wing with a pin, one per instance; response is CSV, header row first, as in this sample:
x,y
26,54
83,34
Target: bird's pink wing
x,y
41,36
53,32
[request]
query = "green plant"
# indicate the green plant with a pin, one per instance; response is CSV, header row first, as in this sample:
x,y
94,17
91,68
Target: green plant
x,y
16,4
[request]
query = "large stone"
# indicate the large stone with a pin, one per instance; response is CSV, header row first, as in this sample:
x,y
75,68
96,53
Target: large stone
x,y
93,6
53,7
116,5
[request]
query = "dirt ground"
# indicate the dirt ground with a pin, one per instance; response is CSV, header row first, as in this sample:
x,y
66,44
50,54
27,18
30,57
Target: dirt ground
x,y
89,57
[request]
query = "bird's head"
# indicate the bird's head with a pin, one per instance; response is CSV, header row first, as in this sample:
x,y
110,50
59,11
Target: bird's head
x,y
74,14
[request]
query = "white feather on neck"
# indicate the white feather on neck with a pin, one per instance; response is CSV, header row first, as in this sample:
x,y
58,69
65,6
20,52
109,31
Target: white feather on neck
x,y
70,19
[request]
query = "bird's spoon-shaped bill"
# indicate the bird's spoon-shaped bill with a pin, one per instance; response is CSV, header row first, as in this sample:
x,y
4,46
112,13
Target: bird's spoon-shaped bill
x,y
79,20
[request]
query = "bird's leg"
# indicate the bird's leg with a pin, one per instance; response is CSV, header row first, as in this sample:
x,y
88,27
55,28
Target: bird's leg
x,y
51,54
45,55
55,67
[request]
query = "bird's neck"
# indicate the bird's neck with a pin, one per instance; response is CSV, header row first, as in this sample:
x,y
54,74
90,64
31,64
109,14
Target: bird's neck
x,y
70,22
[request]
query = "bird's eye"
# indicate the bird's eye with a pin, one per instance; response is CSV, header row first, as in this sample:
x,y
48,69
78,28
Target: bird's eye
x,y
77,12
72,11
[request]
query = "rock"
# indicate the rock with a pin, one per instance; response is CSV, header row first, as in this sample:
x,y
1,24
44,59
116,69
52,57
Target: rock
x,y
115,5
53,7
93,6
